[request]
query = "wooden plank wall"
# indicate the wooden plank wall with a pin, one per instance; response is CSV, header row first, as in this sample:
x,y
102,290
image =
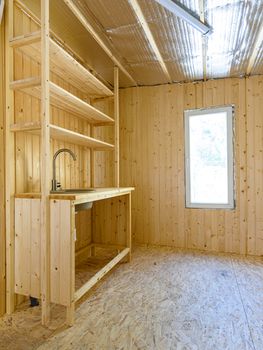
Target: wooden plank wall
x,y
2,172
152,160
110,221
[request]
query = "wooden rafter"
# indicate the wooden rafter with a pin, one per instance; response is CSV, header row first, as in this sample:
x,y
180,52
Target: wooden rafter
x,y
256,49
140,16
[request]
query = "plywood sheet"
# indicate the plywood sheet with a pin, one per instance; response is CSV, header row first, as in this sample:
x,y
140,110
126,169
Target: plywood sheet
x,y
203,301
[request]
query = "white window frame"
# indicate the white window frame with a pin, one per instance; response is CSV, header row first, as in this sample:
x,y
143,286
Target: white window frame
x,y
230,162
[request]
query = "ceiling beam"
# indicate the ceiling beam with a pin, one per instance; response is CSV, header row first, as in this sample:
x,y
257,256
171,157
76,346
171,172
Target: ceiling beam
x,y
84,21
140,16
179,11
257,46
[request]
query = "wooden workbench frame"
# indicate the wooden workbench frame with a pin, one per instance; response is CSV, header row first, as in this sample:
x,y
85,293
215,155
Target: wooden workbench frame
x,y
45,129
123,251
63,254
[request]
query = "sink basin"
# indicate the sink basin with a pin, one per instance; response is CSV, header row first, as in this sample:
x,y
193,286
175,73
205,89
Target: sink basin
x,y
74,190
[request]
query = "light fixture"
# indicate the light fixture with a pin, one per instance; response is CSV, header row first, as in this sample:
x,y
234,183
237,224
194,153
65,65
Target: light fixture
x,y
185,15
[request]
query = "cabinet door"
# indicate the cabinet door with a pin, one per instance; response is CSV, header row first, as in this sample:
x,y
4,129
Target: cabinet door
x,y
27,247
62,251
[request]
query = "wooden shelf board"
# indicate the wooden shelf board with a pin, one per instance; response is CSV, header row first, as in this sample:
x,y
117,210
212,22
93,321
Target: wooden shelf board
x,y
25,126
62,64
26,39
100,274
63,99
62,134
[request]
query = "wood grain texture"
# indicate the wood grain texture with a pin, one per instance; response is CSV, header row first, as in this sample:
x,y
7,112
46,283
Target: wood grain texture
x,y
9,166
27,110
152,160
62,64
110,221
27,247
2,173
60,245
163,299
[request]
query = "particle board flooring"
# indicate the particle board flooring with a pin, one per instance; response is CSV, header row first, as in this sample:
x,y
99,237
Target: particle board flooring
x,y
165,299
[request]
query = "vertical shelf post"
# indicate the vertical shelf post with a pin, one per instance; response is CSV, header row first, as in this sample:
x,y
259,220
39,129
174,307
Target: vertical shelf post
x,y
71,308
45,164
116,129
9,160
92,160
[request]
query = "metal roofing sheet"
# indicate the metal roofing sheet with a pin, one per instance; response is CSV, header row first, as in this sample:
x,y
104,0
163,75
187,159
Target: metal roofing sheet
x,y
258,66
235,23
235,26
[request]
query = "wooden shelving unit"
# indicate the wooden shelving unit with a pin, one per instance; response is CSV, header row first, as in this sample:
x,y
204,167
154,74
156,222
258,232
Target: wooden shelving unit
x,y
63,134
53,58
63,99
62,64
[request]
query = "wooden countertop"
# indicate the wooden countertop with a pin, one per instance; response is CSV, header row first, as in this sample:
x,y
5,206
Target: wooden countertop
x,y
77,198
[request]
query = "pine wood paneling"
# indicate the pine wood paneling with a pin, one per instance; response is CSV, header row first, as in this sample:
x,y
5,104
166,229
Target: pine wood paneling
x,y
27,247
152,160
2,174
61,244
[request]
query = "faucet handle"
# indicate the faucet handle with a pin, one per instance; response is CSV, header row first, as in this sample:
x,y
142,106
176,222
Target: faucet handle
x,y
58,185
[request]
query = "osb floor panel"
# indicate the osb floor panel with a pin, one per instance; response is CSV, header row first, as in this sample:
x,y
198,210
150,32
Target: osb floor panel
x,y
165,299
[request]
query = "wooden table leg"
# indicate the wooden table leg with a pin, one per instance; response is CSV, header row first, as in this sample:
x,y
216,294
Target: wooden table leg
x,y
128,228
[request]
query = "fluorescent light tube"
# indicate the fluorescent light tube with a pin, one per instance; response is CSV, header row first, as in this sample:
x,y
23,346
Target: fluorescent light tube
x,y
179,11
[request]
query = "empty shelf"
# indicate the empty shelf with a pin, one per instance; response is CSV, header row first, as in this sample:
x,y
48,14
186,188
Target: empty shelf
x,y
62,64
62,134
63,99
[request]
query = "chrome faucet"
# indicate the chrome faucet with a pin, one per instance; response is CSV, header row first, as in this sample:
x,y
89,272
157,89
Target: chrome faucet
x,y
55,183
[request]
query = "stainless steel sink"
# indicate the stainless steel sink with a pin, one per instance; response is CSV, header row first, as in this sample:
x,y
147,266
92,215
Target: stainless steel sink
x,y
74,190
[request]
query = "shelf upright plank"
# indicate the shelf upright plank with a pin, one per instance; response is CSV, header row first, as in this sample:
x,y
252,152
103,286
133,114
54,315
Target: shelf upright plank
x,y
2,177
92,184
129,225
92,160
116,129
9,161
45,154
70,311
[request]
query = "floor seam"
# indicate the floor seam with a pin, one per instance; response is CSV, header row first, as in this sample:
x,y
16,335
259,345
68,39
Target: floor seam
x,y
242,302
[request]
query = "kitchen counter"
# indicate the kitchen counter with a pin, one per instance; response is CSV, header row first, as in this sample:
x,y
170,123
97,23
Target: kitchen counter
x,y
97,194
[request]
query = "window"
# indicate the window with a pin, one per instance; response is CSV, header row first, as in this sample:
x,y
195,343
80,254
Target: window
x,y
209,158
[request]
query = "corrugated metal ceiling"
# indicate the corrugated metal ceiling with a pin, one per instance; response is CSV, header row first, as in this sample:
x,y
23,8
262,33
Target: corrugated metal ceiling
x,y
230,49
236,25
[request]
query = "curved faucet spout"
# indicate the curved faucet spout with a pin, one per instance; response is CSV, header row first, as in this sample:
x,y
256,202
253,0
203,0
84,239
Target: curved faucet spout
x,y
54,181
